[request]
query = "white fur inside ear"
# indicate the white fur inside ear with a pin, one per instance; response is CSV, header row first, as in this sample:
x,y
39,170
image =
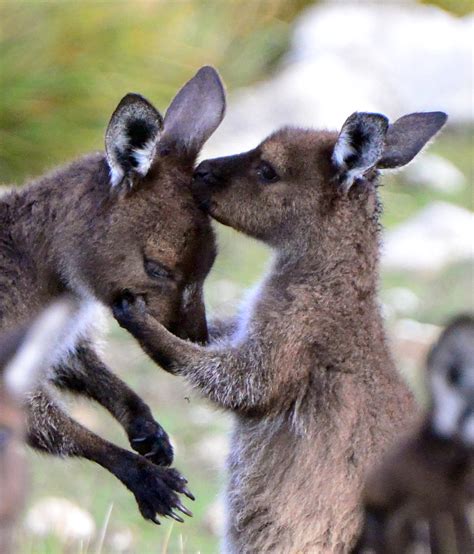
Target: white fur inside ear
x,y
342,150
144,156
116,175
448,406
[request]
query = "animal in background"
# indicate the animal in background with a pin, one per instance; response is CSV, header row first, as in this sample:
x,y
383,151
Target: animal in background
x,y
104,227
427,481
305,368
24,354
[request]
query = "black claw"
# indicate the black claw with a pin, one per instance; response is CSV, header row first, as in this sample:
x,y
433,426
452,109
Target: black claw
x,y
188,493
152,452
176,517
140,439
156,520
184,509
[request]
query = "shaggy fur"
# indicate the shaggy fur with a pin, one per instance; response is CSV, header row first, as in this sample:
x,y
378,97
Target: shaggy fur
x,y
75,231
306,368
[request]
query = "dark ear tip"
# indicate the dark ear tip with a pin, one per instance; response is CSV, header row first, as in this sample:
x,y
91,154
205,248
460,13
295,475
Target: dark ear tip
x,y
134,98
376,119
440,118
209,73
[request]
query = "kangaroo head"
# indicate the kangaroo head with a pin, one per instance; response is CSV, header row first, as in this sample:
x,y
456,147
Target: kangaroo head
x,y
144,234
301,186
451,379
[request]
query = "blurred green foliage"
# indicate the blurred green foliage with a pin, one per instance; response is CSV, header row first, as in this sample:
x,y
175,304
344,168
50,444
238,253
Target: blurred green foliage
x,y
458,7
65,65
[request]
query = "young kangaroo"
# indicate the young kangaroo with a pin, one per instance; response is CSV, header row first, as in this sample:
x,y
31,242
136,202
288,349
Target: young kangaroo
x,y
23,356
306,368
104,227
430,475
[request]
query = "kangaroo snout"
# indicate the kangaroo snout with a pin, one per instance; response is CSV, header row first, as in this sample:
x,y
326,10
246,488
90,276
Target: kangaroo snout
x,y
207,174
206,179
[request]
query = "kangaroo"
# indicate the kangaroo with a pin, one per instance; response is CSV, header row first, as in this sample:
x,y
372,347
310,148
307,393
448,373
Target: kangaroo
x,y
305,368
104,227
430,475
23,356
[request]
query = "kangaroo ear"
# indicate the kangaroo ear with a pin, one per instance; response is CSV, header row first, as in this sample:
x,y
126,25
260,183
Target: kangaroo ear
x,y
359,146
407,136
131,138
195,113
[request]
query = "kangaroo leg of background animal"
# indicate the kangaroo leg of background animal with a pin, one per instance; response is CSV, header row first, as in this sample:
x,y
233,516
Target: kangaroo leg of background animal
x,y
155,488
228,376
86,374
463,533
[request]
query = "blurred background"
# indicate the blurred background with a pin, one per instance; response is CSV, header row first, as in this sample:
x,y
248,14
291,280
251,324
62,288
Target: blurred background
x,y
64,67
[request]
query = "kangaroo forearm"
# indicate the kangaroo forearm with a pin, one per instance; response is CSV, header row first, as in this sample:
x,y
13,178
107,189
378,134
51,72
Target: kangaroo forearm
x,y
226,375
155,488
51,430
87,374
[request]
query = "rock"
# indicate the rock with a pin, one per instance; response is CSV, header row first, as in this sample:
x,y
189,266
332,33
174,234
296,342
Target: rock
x,y
411,341
214,519
213,450
436,173
62,518
401,301
120,541
438,235
394,58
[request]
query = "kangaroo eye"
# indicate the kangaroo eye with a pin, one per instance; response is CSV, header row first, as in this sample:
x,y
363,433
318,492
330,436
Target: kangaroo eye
x,y
454,374
266,173
155,270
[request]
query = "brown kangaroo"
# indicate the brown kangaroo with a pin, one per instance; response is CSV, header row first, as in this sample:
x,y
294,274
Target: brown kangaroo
x,y
107,226
430,475
305,369
23,357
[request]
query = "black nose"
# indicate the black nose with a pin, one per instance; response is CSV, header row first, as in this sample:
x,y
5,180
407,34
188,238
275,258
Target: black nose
x,y
206,173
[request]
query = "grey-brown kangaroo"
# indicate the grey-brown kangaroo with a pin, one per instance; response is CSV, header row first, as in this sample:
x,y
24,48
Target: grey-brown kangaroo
x,y
107,226
305,369
429,476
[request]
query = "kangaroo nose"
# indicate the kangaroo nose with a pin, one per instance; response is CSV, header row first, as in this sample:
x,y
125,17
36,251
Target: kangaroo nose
x,y
206,173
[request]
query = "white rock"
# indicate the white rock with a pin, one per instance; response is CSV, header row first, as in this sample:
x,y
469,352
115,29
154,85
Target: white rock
x,y
414,331
435,172
62,518
214,519
121,540
394,58
213,450
439,234
401,300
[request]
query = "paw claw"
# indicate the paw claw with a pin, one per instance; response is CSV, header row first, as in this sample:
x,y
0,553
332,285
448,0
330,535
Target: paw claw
x,y
189,494
183,509
152,441
176,517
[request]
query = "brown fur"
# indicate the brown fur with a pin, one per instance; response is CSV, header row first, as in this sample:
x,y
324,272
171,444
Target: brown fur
x,y
72,230
306,368
429,477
